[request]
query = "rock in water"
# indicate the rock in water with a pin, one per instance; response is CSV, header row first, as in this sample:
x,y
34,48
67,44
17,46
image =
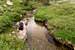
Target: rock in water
x,y
9,3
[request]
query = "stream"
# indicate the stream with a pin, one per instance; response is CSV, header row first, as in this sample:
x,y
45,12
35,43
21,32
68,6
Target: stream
x,y
36,37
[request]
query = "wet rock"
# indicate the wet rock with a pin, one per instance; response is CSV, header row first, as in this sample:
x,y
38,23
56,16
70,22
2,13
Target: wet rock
x,y
48,26
59,38
22,35
68,42
52,31
34,11
29,15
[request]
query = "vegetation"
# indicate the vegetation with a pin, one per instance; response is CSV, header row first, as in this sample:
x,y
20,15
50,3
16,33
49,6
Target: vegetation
x,y
27,2
62,19
9,42
60,16
9,15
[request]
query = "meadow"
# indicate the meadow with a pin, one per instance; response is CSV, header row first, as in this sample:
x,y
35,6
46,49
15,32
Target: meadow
x,y
61,18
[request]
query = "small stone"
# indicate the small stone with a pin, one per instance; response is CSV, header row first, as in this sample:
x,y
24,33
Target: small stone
x,y
59,38
48,26
1,7
52,31
68,42
28,15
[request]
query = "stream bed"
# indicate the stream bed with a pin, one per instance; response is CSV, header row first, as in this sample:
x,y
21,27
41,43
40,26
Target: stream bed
x,y
36,37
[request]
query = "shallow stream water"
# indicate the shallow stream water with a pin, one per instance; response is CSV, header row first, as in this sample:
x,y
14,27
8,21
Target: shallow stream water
x,y
37,40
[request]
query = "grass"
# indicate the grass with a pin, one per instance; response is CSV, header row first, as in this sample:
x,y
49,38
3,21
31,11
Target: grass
x,y
8,16
10,42
62,18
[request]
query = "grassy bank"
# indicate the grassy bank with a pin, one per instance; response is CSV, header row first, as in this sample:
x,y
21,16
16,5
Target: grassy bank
x,y
9,15
62,19
10,42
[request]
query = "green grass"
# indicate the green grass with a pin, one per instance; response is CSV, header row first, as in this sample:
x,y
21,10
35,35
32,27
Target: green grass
x,y
9,42
10,14
62,17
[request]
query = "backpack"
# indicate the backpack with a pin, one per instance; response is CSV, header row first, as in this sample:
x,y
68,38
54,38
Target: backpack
x,y
20,26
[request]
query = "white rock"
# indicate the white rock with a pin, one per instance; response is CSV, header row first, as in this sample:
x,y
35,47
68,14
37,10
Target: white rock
x,y
9,3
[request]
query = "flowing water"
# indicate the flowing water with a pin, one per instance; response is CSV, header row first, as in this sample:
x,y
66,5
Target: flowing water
x,y
37,39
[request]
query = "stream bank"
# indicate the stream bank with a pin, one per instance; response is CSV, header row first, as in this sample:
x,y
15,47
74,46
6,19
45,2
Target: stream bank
x,y
51,38
37,36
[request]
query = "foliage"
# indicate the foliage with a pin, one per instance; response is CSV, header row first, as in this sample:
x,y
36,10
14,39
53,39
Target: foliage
x,y
9,42
31,5
62,19
10,14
